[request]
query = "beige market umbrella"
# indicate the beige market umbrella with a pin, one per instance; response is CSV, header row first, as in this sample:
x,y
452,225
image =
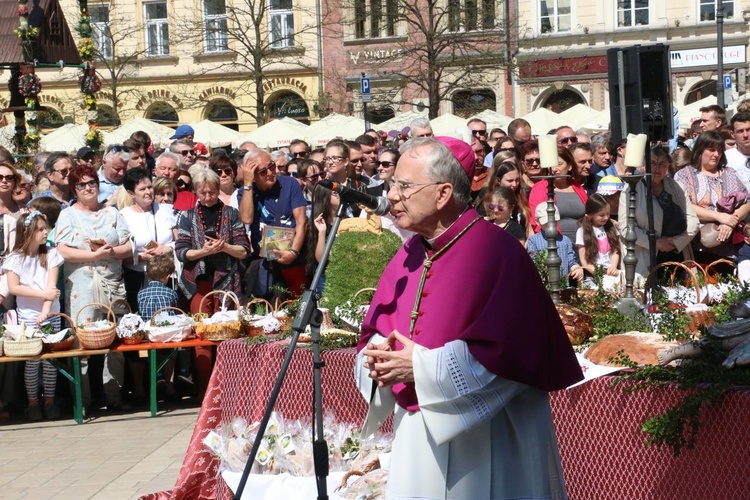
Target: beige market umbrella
x,y
578,115
493,119
275,134
399,122
212,134
542,120
687,114
598,123
160,134
446,124
69,138
334,125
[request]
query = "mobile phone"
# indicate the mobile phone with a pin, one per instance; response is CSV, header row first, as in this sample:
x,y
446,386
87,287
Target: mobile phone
x,y
151,244
211,234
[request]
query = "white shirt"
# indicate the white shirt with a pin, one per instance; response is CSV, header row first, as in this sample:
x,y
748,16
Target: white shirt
x,y
149,226
31,274
604,257
738,162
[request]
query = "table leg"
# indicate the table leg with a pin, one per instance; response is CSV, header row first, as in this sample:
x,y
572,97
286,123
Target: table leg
x,y
75,379
152,361
78,407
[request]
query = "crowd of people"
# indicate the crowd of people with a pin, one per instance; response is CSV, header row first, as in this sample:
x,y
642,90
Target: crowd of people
x,y
103,218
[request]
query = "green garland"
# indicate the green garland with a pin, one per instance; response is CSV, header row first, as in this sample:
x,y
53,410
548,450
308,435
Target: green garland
x,y
87,51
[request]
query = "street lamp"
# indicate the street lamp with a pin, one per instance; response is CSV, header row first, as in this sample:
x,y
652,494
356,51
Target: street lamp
x,y
720,53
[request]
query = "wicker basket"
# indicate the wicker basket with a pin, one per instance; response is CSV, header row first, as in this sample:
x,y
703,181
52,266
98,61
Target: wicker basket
x,y
346,325
2,341
135,339
23,348
181,330
284,318
99,338
218,331
250,329
673,276
66,344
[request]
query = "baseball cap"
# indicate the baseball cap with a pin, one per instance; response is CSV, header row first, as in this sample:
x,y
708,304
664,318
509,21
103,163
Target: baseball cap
x,y
183,131
83,152
609,185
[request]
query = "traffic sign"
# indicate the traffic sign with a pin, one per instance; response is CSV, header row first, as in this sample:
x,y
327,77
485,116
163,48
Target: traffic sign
x,y
365,85
727,81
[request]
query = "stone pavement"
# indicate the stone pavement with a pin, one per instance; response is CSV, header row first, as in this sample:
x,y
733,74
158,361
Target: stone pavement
x,y
109,457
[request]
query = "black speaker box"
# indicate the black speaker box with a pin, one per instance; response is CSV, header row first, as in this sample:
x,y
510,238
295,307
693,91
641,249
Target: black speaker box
x,y
643,77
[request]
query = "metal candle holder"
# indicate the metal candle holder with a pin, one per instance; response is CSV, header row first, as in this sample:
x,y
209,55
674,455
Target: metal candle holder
x,y
628,303
553,260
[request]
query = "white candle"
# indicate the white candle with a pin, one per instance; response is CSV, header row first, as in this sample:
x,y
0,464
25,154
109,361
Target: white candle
x,y
548,151
635,152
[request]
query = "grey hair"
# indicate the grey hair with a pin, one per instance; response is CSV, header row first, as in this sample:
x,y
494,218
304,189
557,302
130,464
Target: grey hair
x,y
421,122
41,157
255,154
580,131
111,154
275,155
601,140
204,176
165,155
442,165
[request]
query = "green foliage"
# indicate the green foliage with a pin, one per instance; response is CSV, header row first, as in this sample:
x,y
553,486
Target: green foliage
x,y
540,262
357,262
706,383
738,293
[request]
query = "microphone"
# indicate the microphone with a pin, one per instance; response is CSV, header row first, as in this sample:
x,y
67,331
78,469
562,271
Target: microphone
x,y
378,204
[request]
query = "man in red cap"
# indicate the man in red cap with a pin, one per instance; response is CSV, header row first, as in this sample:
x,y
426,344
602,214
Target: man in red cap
x,y
449,342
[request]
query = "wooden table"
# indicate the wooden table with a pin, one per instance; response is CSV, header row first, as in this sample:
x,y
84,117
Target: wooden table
x,y
151,348
73,375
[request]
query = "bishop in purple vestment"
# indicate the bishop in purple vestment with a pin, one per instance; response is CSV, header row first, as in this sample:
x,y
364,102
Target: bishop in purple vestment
x,y
464,337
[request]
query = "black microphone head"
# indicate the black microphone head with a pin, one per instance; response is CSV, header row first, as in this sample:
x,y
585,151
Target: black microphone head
x,y
384,206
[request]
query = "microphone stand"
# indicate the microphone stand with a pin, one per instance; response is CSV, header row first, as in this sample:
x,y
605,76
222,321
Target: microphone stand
x,y
308,314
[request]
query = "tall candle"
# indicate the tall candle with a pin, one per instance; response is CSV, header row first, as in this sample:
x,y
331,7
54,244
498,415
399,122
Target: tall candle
x,y
635,151
548,151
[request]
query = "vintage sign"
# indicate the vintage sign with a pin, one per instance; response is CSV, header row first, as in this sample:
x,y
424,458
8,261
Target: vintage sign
x,y
374,56
696,58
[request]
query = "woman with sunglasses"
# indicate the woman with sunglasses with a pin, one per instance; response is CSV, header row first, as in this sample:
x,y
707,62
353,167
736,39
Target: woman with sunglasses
x,y
211,243
386,166
94,239
226,169
570,195
308,174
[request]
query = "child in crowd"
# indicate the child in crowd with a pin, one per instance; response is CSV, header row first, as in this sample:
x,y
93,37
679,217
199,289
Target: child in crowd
x,y
597,239
32,270
611,186
153,297
499,206
537,242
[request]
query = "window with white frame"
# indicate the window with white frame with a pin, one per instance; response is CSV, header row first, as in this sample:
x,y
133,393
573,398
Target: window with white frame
x,y
632,13
471,15
555,16
281,23
707,9
375,18
99,16
214,26
157,29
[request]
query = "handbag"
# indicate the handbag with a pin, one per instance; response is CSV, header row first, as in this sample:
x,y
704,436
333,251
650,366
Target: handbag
x,y
710,235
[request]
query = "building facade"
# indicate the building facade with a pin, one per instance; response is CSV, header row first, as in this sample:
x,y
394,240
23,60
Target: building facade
x,y
180,61
562,45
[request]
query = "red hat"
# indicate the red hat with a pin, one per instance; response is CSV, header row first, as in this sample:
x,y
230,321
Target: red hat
x,y
463,153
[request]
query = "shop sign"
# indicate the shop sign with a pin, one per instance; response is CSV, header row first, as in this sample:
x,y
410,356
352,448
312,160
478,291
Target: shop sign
x,y
696,58
374,56
570,66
